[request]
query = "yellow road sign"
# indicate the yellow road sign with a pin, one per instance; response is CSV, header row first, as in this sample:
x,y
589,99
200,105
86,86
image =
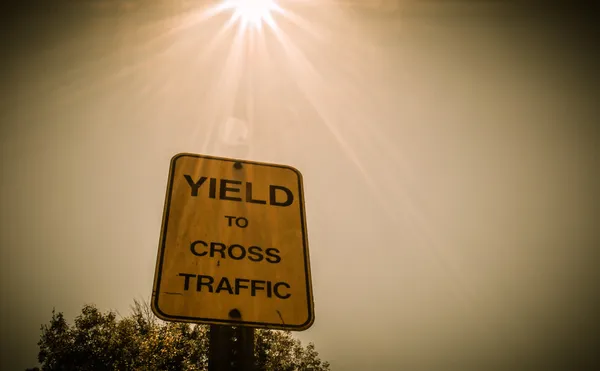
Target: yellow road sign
x,y
233,248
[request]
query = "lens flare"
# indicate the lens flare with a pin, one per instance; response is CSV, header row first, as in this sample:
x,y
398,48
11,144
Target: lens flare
x,y
252,12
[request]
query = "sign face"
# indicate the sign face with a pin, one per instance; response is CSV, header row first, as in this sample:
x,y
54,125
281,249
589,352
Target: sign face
x,y
233,247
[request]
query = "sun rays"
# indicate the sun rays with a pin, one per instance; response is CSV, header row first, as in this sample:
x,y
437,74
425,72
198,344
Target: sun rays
x,y
216,76
252,13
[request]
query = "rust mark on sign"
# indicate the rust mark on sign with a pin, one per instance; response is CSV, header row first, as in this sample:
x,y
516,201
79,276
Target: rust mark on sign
x,y
280,316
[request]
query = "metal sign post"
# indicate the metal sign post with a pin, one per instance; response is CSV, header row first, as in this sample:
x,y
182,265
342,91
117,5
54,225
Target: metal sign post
x,y
231,349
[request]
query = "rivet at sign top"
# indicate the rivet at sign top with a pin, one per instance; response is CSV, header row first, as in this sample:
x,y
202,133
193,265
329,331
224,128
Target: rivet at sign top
x,y
235,313
237,165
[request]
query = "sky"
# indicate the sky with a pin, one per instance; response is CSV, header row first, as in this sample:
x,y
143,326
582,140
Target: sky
x,y
448,150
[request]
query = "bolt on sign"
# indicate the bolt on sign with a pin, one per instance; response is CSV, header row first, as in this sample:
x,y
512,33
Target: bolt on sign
x,y
233,247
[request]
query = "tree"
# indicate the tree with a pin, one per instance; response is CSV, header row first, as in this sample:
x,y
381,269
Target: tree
x,y
102,341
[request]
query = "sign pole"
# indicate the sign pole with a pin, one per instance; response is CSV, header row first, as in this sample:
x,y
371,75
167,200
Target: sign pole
x,y
245,343
219,352
231,348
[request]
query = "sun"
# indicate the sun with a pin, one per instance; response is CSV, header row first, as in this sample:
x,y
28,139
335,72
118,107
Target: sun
x,y
252,12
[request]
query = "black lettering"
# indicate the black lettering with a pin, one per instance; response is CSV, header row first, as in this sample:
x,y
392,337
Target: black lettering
x,y
208,283
221,249
241,256
212,190
255,253
272,253
186,283
224,189
269,289
254,287
238,285
229,219
195,185
193,248
249,195
224,285
275,289
241,222
273,196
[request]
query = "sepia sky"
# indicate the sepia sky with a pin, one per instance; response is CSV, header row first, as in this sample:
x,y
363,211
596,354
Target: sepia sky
x,y
448,149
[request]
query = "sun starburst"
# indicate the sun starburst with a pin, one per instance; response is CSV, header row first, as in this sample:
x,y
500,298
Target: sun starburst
x,y
252,12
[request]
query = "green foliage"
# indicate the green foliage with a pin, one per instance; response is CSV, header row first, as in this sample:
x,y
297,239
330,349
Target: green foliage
x,y
102,341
